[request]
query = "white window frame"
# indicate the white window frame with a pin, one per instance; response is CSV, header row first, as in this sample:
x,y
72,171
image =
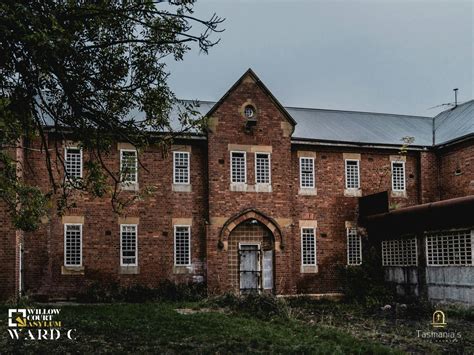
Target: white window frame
x,y
312,173
427,235
174,244
348,230
136,166
245,167
395,249
65,162
80,242
358,174
404,176
315,247
136,244
188,168
269,168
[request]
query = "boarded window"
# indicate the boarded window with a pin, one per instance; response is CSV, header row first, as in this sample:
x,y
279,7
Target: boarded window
x,y
399,252
449,248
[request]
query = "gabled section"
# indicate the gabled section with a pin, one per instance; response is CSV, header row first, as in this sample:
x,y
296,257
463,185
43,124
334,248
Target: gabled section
x,y
250,74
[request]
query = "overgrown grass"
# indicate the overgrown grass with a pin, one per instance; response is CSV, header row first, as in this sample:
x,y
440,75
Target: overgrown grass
x,y
158,328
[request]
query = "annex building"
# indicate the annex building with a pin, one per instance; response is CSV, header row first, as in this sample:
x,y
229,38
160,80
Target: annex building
x,y
267,199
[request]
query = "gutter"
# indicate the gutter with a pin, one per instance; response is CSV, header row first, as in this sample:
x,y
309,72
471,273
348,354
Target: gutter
x,y
358,145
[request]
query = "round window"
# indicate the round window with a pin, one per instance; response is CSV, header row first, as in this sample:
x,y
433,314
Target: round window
x,y
249,111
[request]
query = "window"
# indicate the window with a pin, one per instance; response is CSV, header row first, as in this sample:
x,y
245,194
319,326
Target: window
x,y
73,245
306,172
181,168
399,252
449,248
128,166
398,176
354,247
262,168
182,245
308,246
352,174
73,163
238,167
249,111
128,244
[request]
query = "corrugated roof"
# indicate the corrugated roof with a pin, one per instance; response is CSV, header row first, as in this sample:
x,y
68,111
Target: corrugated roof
x,y
454,123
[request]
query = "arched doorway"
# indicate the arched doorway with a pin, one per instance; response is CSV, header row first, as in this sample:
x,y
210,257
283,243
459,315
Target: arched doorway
x,y
251,257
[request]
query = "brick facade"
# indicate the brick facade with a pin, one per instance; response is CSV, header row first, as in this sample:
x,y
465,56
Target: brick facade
x,y
219,212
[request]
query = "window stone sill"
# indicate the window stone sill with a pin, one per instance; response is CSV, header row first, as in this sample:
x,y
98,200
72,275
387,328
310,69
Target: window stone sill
x,y
129,186
241,187
309,269
185,269
352,192
72,270
181,188
263,188
402,194
308,191
129,270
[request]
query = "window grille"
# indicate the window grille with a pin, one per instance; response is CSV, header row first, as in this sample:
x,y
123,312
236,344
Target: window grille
x,y
308,246
72,244
354,247
398,176
239,167
181,168
262,168
399,252
128,166
352,174
182,245
128,244
306,172
73,163
449,248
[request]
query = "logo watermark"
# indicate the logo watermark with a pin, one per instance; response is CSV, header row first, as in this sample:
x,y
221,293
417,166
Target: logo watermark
x,y
439,334
37,324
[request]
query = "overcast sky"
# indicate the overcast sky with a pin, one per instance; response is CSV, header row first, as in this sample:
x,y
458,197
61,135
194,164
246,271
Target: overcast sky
x,y
395,56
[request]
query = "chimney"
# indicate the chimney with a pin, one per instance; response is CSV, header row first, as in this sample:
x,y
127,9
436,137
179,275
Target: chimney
x,y
455,97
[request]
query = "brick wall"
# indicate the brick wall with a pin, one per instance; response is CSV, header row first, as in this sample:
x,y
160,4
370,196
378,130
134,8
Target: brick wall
x,y
456,171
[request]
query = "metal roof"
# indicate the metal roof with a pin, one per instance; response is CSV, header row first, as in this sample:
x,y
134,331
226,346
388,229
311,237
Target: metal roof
x,y
454,123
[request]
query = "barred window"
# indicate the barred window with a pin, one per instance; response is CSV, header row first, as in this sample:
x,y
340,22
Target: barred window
x,y
399,252
308,246
449,248
262,168
352,174
182,245
398,176
238,167
73,163
181,168
73,244
306,172
128,244
128,166
354,247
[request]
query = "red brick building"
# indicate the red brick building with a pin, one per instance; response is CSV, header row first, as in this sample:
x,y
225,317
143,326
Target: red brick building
x,y
266,199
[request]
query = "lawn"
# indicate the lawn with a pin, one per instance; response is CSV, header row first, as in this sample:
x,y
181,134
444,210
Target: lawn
x,y
308,327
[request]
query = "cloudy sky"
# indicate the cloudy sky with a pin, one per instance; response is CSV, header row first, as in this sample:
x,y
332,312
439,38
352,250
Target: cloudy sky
x,y
394,56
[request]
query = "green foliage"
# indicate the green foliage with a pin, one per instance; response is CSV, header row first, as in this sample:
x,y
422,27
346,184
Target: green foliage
x,y
85,69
